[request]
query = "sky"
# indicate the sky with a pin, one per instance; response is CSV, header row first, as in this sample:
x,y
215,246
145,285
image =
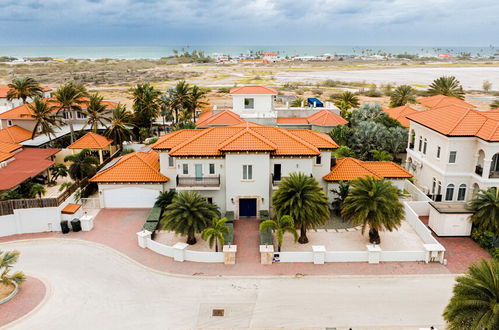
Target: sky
x,y
249,22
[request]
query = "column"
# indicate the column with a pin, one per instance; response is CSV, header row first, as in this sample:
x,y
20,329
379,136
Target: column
x,y
229,254
142,237
373,251
178,251
266,254
319,254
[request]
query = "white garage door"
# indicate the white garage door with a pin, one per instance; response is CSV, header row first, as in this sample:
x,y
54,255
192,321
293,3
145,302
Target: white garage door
x,y
129,197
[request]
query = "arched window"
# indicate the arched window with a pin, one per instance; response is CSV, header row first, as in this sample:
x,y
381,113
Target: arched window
x,y
461,192
449,193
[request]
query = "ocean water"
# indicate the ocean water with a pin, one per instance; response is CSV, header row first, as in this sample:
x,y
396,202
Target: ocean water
x,y
154,52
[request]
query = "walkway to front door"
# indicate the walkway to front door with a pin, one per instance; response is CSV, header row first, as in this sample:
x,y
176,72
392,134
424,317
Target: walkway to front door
x,y
247,239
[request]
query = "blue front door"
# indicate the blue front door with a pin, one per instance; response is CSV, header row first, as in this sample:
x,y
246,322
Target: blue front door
x,y
247,207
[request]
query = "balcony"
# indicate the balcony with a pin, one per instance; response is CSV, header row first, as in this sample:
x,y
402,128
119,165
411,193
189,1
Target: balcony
x,y
198,182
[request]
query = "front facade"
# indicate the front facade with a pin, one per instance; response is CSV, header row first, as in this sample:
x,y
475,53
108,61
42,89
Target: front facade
x,y
454,151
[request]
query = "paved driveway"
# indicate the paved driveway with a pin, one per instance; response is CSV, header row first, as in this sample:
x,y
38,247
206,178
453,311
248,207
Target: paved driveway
x,y
91,286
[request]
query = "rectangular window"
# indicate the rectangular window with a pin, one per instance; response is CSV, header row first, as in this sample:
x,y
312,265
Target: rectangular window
x,y
424,146
249,103
420,143
438,152
247,172
210,200
170,162
185,169
452,157
318,160
212,168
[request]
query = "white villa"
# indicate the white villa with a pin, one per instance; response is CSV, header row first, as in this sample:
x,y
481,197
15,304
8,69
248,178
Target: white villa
x,y
453,151
7,105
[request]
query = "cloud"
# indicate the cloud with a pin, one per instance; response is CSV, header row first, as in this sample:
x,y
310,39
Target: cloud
x,y
250,21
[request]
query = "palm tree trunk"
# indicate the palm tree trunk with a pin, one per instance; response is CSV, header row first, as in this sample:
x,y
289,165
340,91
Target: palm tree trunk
x,y
374,236
191,239
303,236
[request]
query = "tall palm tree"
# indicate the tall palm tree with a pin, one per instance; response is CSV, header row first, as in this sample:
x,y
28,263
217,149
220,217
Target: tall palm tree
x,y
188,214
83,165
180,96
196,100
402,95
7,261
374,203
301,197
475,303
44,117
348,100
24,88
118,129
448,86
485,204
166,109
97,113
68,99
146,105
282,225
214,234
37,190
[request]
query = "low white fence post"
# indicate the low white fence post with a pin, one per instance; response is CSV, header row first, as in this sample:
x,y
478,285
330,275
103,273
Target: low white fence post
x,y
178,251
266,254
373,253
142,237
319,254
229,254
434,252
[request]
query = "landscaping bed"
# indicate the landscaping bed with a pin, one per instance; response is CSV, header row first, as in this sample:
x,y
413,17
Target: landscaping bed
x,y
6,291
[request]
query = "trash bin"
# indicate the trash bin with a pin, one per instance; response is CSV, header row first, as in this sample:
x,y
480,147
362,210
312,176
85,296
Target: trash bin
x,y
76,225
64,226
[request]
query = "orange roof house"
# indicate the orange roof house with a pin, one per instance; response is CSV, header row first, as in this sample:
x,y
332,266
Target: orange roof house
x,y
4,90
347,169
438,101
253,90
321,118
91,141
460,121
243,137
136,167
400,114
14,134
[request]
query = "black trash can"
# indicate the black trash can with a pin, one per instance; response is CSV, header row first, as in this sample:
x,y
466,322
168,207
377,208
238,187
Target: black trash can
x,y
64,226
76,225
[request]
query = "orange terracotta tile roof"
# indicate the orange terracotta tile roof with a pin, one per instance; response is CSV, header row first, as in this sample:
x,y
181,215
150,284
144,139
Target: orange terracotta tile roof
x,y
437,101
91,141
400,114
253,90
70,208
134,167
204,115
23,110
318,139
460,121
4,90
321,118
170,140
223,118
292,120
14,134
347,169
9,147
247,137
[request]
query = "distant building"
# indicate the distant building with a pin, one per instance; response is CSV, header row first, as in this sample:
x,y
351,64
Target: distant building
x,y
270,57
7,105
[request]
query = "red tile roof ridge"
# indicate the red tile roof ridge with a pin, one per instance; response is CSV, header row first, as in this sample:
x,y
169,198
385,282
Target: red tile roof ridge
x,y
268,90
247,130
165,137
218,115
321,135
192,138
100,140
299,140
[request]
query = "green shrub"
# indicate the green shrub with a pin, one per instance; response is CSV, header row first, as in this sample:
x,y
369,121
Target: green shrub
x,y
229,236
230,216
154,215
266,237
150,226
264,215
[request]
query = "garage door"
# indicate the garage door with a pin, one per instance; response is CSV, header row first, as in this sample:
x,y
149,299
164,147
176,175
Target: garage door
x,y
129,197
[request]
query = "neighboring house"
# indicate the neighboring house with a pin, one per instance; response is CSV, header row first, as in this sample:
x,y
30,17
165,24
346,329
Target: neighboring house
x,y
347,169
453,151
7,105
99,145
14,134
438,101
400,114
270,57
236,167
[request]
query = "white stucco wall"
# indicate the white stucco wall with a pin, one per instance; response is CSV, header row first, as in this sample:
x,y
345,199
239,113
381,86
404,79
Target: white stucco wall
x,y
448,224
121,188
262,103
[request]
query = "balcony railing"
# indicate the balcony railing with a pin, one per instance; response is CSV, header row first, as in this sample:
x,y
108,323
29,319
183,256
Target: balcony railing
x,y
201,181
479,170
494,175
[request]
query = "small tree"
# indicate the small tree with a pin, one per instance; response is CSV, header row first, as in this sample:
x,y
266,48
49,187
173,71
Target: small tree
x,y
448,86
485,204
348,100
487,85
282,225
402,95
341,194
83,165
58,170
214,234
7,261
37,189
343,152
165,198
381,155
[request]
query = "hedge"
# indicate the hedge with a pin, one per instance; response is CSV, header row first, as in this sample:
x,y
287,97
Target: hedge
x,y
264,215
230,216
266,237
154,215
150,226
229,236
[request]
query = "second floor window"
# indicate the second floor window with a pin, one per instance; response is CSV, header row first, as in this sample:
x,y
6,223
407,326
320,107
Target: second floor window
x,y
438,151
247,172
452,157
170,161
424,146
318,160
249,103
420,143
212,168
185,169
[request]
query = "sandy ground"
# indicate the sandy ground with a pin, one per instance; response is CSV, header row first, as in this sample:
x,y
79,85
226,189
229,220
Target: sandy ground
x,y
404,239
470,77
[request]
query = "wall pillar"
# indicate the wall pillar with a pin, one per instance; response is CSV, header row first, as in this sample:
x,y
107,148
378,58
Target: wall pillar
x,y
434,253
178,251
229,254
487,163
101,159
374,252
142,237
266,254
319,254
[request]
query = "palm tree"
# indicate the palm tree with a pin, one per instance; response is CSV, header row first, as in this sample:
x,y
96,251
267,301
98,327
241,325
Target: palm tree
x,y
7,261
298,102
117,129
448,86
83,165
188,214
381,156
165,198
180,97
402,95
23,88
214,234
485,204
196,100
44,117
37,189
146,105
348,100
475,303
301,197
68,99
97,113
58,170
166,109
341,194
374,203
282,225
